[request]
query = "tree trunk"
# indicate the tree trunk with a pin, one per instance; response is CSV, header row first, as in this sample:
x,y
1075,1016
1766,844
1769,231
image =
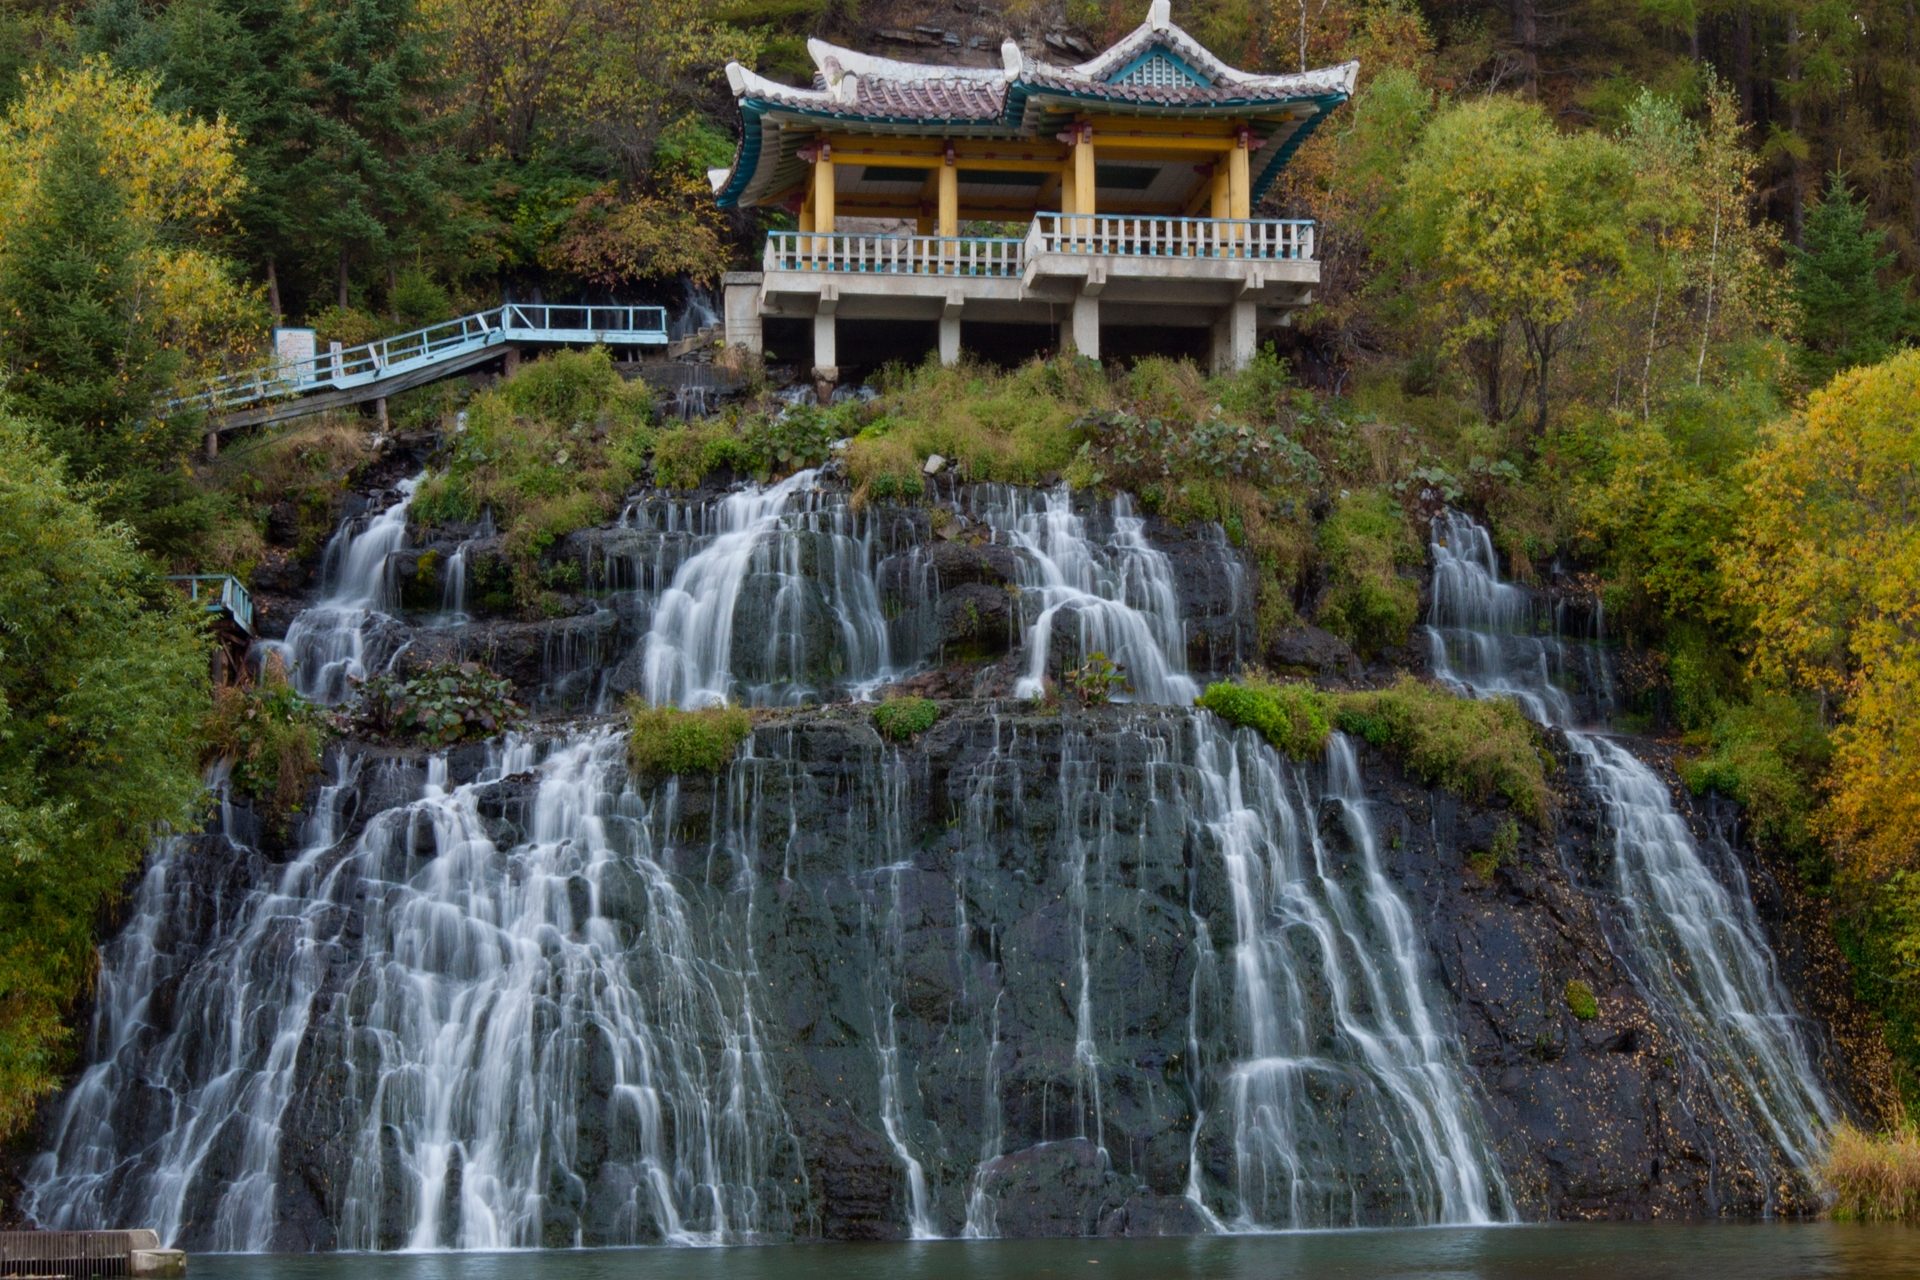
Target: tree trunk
x,y
1796,180
1743,60
273,294
341,299
1526,42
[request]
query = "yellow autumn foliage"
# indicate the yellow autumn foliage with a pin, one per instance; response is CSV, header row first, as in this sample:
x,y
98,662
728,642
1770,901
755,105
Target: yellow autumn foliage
x,y
1828,561
180,176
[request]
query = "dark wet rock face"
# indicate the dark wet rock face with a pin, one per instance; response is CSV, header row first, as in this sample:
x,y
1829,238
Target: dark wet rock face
x,y
1026,974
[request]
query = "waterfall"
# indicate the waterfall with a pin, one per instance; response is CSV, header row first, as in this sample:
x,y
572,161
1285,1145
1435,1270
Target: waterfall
x,y
523,1035
349,633
778,605
1696,944
1348,1102
453,587
1119,591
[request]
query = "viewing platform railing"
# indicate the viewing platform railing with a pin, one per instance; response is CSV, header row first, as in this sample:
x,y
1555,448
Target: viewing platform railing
x,y
219,593
1093,234
1149,236
383,358
853,251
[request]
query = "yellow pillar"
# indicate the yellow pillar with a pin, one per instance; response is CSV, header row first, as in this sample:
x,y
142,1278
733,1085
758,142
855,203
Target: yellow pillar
x,y
1083,176
949,198
1220,203
1240,180
823,190
1067,194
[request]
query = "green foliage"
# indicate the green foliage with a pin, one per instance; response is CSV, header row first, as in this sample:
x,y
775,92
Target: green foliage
x,y
306,465
548,451
1365,544
102,690
667,740
1500,852
1764,755
1507,228
271,738
1096,679
444,704
904,717
1021,427
1581,1002
1847,315
1293,717
1478,748
83,339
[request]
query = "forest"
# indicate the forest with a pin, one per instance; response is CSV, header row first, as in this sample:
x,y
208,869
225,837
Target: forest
x,y
1630,281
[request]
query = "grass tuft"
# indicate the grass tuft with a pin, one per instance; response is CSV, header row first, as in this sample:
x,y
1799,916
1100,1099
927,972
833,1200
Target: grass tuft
x,y
1875,1176
667,740
901,718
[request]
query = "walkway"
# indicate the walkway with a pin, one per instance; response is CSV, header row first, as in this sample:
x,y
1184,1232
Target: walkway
x,y
335,379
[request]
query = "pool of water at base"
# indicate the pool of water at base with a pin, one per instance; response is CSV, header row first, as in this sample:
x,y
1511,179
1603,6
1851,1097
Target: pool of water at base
x,y
1746,1251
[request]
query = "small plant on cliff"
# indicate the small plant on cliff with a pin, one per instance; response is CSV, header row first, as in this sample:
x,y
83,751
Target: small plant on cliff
x,y
1875,1177
667,740
1293,717
1097,679
1364,545
271,738
1499,852
449,703
1581,1002
901,718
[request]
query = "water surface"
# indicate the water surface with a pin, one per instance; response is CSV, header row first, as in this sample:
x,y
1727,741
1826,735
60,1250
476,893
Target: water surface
x,y
1566,1252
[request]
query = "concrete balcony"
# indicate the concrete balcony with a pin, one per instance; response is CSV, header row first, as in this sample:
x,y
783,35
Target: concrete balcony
x,y
1228,276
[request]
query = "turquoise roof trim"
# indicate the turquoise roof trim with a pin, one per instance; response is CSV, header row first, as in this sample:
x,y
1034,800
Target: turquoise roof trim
x,y
1293,144
1187,69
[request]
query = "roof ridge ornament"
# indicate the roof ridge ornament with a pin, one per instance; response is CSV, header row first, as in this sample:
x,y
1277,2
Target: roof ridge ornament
x,y
1160,14
1011,58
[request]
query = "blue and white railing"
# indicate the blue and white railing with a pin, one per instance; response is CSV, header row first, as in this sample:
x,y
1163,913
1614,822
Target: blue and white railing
x,y
374,362
1128,235
893,255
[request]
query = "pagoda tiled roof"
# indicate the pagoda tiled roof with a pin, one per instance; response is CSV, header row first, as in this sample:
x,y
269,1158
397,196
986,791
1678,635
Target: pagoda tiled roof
x,y
1021,98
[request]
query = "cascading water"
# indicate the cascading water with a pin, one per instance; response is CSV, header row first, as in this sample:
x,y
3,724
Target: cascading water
x,y
1119,593
522,1033
1696,944
453,589
786,570
1348,1102
348,634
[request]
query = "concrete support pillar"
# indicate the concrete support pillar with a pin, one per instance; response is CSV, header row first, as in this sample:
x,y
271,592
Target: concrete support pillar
x,y
380,420
950,338
826,353
1235,338
740,295
510,361
1083,330
212,445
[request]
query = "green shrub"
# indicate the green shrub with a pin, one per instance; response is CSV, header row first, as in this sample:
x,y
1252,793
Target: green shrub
x,y
667,740
901,718
1019,426
1096,680
1763,755
1581,1002
272,739
348,326
1364,544
307,465
550,450
1478,748
449,703
1293,717
1874,1177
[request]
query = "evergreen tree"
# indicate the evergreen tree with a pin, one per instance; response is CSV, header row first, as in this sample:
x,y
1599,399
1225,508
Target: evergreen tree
x,y
82,334
1847,316
370,176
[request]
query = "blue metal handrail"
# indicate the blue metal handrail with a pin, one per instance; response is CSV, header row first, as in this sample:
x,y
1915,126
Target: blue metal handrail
x,y
870,252
1157,236
223,592
385,357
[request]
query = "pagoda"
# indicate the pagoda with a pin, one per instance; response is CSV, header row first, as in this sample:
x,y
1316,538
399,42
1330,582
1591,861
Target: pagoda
x,y
1118,192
